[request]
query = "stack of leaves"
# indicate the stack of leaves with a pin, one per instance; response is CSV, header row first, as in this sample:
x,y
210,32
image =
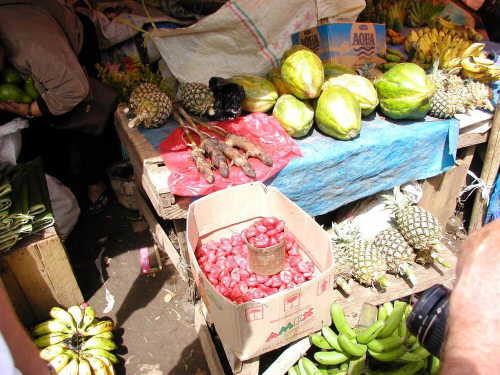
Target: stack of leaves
x,y
24,203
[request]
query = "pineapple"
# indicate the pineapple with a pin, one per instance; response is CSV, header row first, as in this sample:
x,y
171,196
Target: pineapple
x,y
368,263
197,98
150,106
419,228
343,270
450,96
398,253
479,95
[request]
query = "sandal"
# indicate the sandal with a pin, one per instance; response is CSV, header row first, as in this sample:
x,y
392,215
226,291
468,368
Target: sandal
x,y
99,205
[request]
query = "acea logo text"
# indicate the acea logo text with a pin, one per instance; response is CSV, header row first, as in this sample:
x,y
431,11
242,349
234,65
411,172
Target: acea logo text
x,y
295,323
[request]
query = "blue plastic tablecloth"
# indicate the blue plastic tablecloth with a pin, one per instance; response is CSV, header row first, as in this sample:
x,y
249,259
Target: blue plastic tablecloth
x,y
332,173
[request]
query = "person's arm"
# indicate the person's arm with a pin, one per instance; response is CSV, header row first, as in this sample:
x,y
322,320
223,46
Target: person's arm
x,y
24,352
472,346
24,110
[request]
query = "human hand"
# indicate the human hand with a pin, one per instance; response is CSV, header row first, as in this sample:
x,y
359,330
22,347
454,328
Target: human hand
x,y
472,345
21,109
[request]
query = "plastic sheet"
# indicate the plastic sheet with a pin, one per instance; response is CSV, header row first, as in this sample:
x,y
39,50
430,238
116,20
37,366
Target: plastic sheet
x,y
493,212
263,130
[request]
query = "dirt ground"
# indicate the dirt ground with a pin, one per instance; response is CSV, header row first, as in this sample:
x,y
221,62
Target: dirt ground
x,y
153,317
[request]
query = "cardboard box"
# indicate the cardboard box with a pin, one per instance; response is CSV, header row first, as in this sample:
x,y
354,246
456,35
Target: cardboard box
x,y
350,44
262,325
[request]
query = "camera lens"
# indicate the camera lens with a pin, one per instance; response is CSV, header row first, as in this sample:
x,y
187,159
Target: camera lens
x,y
427,320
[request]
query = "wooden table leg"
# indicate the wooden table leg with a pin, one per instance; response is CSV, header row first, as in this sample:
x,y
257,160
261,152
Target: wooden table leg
x,y
488,173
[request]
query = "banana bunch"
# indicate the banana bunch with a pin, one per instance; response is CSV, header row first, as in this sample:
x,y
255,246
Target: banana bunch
x,y
393,37
429,44
395,16
392,57
423,12
475,64
387,341
467,32
74,342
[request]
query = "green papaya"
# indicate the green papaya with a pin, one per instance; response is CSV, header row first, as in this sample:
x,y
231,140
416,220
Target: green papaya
x,y
293,49
274,75
404,92
303,73
10,75
338,113
260,94
10,92
361,87
295,117
29,88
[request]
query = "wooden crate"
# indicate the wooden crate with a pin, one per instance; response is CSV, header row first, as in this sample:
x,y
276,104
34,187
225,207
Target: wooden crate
x,y
38,275
426,277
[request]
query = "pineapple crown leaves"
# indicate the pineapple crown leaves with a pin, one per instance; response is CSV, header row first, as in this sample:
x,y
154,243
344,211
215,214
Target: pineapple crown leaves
x,y
344,233
398,200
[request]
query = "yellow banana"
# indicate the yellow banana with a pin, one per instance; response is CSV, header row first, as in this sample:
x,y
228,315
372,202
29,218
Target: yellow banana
x,y
469,65
98,366
84,367
105,335
98,342
109,366
96,352
63,316
88,317
481,61
52,351
59,362
72,354
51,339
99,327
50,326
76,313
71,368
473,50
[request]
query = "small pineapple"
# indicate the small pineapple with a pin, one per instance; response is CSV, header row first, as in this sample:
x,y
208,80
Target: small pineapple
x,y
479,95
398,253
368,263
450,95
197,98
150,106
419,228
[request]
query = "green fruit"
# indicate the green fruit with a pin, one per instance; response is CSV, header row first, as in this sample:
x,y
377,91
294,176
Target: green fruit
x,y
293,49
338,113
303,73
260,94
30,89
274,75
334,70
404,92
330,358
361,87
26,99
295,116
10,75
10,92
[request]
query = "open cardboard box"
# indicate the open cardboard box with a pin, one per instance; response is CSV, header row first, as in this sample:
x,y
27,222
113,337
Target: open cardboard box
x,y
262,325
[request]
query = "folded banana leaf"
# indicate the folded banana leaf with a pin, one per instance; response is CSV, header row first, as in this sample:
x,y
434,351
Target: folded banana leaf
x,y
9,242
5,203
5,186
19,211
42,222
5,224
3,215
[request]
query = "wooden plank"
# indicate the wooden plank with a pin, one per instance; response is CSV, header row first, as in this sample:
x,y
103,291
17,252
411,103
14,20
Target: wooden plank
x,y
211,355
488,173
466,140
159,235
440,193
45,276
426,277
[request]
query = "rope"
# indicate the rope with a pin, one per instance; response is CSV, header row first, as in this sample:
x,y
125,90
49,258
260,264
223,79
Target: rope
x,y
477,184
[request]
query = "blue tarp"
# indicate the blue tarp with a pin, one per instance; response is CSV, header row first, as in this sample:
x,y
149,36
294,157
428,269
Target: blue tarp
x,y
332,173
493,212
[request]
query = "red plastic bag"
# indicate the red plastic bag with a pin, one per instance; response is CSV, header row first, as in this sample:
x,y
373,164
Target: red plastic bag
x,y
263,130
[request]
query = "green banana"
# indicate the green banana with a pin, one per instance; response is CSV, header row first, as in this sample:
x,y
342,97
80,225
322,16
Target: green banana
x,y
340,321
71,368
331,337
51,339
392,51
99,327
301,368
408,369
382,313
84,367
330,358
105,335
98,366
318,341
435,365
96,352
392,322
411,340
416,355
76,313
344,366
88,317
367,335
63,316
351,347
98,342
387,66
386,344
337,372
389,307
71,354
50,326
357,366
50,352
309,366
389,356
59,362
403,329
293,370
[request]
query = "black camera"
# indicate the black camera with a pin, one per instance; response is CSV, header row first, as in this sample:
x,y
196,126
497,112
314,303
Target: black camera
x,y
428,318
